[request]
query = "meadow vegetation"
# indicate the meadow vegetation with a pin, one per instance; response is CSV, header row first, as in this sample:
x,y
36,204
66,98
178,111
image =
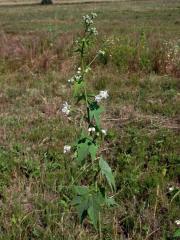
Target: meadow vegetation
x,y
141,71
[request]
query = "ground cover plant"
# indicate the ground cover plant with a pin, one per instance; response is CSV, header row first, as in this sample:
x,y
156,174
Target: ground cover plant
x,y
139,66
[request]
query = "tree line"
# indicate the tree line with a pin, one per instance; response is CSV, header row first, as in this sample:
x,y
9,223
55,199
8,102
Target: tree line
x,y
46,2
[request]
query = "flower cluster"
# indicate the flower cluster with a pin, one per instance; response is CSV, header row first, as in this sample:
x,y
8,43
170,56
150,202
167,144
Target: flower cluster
x,y
94,15
177,222
76,77
88,19
66,108
102,95
91,129
67,149
92,30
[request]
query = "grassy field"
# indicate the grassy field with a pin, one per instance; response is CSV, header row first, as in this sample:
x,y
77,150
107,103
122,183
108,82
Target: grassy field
x,y
62,2
141,71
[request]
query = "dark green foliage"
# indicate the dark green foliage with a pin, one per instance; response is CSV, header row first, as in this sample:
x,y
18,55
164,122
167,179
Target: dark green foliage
x,y
107,172
85,147
94,113
88,203
45,2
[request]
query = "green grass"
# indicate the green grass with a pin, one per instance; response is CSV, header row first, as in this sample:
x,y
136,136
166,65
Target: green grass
x,y
143,140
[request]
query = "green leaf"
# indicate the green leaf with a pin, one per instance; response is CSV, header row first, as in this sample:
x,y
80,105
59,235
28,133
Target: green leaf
x,y
81,201
110,201
95,202
93,150
93,210
76,200
81,190
85,146
82,208
100,197
82,151
88,203
94,113
107,172
78,89
177,233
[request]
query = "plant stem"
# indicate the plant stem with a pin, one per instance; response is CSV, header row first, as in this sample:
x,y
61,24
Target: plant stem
x,y
85,90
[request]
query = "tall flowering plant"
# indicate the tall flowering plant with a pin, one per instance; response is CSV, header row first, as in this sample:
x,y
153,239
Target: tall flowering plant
x,y
93,183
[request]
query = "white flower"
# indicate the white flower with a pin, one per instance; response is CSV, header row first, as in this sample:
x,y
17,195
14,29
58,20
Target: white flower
x,y
104,94
71,80
171,188
88,20
77,77
66,108
101,52
101,95
94,15
87,69
98,98
92,30
104,131
79,71
92,129
67,148
177,222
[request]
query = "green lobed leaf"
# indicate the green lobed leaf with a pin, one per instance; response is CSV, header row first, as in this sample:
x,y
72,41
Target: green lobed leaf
x,y
88,203
107,172
82,207
94,113
82,151
81,201
85,146
95,202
